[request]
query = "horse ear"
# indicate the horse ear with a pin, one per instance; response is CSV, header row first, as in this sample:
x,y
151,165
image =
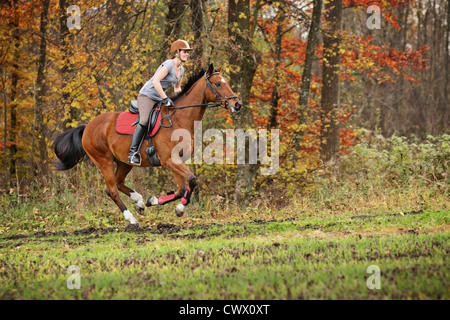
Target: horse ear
x,y
210,69
219,69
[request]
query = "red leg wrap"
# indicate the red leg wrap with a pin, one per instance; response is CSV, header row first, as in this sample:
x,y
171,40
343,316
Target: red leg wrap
x,y
166,199
186,197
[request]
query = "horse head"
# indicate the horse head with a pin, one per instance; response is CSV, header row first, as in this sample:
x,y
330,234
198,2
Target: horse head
x,y
219,90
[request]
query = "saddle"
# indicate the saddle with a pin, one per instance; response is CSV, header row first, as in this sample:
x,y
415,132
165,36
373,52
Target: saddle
x,y
128,119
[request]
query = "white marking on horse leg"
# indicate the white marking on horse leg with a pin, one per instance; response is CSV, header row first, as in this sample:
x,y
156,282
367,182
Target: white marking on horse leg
x,y
154,201
179,209
129,217
136,197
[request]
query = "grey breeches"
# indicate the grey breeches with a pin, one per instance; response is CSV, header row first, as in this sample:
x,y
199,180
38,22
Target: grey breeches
x,y
145,106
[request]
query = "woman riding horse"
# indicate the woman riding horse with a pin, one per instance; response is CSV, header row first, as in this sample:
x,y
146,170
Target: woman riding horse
x,y
169,73
108,149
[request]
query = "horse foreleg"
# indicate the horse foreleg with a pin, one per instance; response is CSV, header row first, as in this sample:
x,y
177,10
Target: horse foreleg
x,y
121,173
181,174
186,198
172,196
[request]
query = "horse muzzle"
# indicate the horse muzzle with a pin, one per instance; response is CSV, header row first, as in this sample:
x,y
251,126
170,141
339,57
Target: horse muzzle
x,y
236,108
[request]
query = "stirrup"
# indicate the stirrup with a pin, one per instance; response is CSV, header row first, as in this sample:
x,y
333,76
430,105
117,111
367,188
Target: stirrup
x,y
136,157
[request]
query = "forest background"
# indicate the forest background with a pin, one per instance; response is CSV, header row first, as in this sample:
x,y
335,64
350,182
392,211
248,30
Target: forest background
x,y
362,109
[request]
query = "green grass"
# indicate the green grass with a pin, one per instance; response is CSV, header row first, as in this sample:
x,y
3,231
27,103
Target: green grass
x,y
385,203
318,257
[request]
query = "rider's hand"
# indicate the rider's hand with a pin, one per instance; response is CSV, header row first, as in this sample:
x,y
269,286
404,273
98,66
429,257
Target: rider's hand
x,y
168,102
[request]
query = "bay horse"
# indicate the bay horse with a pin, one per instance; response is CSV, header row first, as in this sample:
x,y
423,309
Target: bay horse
x,y
104,146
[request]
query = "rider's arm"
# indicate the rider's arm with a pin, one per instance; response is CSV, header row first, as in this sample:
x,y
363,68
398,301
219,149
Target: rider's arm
x,y
161,74
177,87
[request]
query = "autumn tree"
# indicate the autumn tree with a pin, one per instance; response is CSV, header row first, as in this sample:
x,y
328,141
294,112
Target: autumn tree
x,y
42,90
398,92
313,36
173,23
197,13
65,45
330,79
13,133
244,60
305,87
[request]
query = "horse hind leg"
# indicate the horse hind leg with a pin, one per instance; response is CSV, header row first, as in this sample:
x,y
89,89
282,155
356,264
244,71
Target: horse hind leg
x,y
106,167
121,173
113,192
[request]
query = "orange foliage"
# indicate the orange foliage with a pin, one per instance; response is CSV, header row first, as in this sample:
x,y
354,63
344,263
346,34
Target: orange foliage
x,y
358,54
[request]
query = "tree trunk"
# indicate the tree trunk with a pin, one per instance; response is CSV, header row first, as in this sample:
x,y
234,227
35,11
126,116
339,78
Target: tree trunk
x,y
5,131
330,80
305,86
174,18
447,58
65,44
197,7
41,91
275,95
14,81
244,60
313,35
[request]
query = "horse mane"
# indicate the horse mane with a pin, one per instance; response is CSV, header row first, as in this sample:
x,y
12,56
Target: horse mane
x,y
192,80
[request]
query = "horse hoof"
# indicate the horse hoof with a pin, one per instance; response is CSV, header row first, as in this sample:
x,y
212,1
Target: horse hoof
x,y
134,223
139,210
132,227
129,217
179,210
153,201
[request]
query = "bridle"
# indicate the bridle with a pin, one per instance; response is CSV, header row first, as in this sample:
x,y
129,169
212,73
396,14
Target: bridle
x,y
209,104
223,100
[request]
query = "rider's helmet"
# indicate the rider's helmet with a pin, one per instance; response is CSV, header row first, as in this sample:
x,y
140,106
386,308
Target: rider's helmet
x,y
179,45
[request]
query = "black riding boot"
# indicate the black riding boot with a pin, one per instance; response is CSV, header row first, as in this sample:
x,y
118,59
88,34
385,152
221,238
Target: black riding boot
x,y
136,142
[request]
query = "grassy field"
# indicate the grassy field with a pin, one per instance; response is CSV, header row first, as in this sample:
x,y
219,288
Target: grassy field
x,y
375,225
304,257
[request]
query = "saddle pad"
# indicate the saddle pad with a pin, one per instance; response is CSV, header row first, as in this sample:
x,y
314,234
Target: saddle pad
x,y
125,121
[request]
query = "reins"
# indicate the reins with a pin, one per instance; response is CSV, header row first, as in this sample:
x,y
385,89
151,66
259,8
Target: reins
x,y
208,105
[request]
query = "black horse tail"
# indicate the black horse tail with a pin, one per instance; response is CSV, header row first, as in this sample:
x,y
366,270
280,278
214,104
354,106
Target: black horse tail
x,y
68,148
